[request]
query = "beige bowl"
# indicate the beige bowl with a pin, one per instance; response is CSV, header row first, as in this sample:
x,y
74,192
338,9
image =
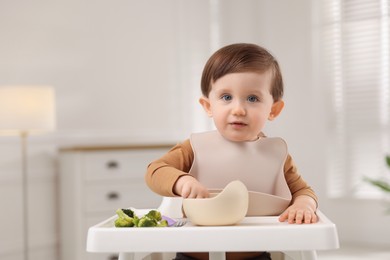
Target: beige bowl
x,y
225,208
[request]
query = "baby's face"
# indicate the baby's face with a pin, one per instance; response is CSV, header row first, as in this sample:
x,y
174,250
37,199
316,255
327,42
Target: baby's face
x,y
240,104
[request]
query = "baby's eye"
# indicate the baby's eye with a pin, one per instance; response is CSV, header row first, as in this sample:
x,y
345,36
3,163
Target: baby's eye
x,y
226,97
252,99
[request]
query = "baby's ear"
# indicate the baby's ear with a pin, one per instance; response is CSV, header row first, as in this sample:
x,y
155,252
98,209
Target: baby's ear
x,y
205,102
277,107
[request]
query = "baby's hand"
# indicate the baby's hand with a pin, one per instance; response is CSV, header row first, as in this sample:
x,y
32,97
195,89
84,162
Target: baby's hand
x,y
301,211
188,187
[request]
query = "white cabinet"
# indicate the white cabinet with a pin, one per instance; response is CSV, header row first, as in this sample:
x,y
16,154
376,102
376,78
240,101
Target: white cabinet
x,y
94,182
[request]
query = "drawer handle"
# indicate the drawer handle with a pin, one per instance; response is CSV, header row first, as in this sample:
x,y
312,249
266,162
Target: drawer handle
x,y
112,165
113,195
113,257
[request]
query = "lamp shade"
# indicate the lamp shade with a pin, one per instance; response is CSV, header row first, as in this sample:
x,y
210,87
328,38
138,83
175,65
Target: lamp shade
x,y
28,109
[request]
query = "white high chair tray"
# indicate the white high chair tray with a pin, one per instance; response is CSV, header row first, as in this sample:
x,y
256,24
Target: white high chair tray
x,y
251,234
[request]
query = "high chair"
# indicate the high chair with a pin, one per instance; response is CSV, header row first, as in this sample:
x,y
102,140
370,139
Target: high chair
x,y
299,242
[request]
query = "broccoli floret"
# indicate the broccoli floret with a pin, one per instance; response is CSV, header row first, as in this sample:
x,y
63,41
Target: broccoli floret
x,y
135,220
162,223
145,221
127,218
120,222
154,214
128,212
123,219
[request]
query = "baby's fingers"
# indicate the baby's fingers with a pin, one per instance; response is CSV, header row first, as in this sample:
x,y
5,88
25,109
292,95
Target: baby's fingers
x,y
186,192
284,216
310,217
306,217
288,215
293,217
298,218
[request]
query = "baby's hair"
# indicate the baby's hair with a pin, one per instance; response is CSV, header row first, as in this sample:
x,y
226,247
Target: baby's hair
x,y
242,57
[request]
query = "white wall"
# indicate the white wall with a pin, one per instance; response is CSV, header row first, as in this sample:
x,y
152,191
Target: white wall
x,y
114,65
128,71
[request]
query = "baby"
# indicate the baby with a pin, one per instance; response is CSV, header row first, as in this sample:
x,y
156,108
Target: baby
x,y
242,89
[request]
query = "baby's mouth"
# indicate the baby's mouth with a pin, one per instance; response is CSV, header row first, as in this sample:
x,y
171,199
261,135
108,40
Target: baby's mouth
x,y
238,124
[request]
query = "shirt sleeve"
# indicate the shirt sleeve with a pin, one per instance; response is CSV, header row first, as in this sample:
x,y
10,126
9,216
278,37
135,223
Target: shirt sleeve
x,y
295,182
162,174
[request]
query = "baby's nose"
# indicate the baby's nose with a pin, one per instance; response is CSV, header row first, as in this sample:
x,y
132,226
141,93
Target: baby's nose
x,y
239,109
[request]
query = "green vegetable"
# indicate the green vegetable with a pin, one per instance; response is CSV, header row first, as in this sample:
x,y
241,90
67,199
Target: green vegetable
x,y
127,218
123,219
154,214
145,221
136,220
128,212
162,223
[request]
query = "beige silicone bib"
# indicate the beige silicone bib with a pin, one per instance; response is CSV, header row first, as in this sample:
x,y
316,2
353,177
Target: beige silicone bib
x,y
258,164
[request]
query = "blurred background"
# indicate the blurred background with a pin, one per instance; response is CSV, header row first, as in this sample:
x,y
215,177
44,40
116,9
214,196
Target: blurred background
x,y
127,72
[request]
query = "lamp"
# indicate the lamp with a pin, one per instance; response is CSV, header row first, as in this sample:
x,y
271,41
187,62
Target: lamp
x,y
26,110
